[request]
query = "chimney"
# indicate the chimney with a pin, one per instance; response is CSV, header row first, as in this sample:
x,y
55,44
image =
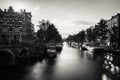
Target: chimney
x,y
5,10
21,10
24,10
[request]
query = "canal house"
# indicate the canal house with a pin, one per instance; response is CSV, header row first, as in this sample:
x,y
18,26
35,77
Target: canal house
x,y
114,23
14,26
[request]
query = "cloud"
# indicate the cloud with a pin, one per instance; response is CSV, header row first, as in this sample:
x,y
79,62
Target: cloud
x,y
36,8
83,22
72,26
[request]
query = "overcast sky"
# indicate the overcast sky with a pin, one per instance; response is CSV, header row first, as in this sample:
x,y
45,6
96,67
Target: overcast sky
x,y
69,16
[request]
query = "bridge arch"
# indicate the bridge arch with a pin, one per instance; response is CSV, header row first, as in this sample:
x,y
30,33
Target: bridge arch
x,y
7,57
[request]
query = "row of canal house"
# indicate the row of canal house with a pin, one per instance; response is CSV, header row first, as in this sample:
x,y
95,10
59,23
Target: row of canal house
x,y
113,22
15,26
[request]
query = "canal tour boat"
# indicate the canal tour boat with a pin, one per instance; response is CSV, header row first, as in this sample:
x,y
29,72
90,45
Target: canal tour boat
x,y
51,51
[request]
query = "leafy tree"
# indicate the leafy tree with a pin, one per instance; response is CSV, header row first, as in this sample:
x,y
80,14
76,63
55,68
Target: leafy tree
x,y
79,37
90,35
48,32
41,34
102,30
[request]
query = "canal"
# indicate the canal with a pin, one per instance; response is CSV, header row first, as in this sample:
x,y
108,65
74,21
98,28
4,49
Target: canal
x,y
70,64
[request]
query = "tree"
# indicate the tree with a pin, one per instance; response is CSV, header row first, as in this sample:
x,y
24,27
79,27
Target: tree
x,y
82,36
91,35
102,30
79,37
41,34
48,32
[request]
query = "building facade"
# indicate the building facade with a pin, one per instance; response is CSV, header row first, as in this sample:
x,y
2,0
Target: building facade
x,y
114,28
114,21
14,26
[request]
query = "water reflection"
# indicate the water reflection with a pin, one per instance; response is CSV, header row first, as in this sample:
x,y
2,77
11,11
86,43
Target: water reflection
x,y
111,66
70,64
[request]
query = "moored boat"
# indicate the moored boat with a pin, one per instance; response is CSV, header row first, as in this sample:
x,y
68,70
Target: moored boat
x,y
99,51
59,47
51,52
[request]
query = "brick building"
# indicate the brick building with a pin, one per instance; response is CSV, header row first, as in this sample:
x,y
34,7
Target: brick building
x,y
15,26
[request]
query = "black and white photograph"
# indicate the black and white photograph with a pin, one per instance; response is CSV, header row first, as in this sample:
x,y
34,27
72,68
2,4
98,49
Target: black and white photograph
x,y
59,39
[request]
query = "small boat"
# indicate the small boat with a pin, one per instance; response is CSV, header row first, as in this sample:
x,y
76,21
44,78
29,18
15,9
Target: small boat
x,y
51,52
59,47
99,51
84,48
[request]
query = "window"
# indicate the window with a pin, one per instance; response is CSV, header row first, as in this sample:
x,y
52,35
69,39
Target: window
x,y
20,23
8,28
13,22
20,28
18,36
8,22
1,22
13,28
3,36
15,37
7,36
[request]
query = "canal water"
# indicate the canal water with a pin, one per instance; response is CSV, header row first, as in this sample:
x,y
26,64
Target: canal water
x,y
70,64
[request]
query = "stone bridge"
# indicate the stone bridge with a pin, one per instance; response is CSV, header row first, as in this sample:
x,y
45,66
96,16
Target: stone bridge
x,y
9,54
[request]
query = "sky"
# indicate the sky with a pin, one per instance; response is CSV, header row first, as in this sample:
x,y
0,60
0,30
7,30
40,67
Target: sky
x,y
69,16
